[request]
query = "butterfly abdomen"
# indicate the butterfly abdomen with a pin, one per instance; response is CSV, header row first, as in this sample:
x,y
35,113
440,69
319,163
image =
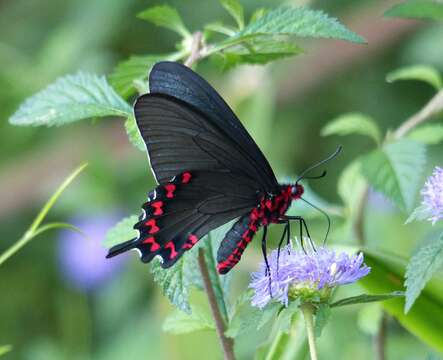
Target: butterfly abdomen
x,y
235,242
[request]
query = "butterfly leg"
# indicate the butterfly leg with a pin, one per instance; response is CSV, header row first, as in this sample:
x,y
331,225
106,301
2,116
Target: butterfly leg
x,y
285,231
263,248
304,226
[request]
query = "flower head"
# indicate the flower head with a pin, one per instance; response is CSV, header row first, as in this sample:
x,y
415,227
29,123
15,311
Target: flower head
x,y
308,275
433,196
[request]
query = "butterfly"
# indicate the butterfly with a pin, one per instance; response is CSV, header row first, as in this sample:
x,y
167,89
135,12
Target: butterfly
x,y
209,171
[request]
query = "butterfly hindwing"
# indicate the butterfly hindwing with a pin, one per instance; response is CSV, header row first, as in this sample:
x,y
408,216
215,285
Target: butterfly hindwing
x,y
182,211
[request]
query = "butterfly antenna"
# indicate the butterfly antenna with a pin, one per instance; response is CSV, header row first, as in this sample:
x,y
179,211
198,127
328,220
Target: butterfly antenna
x,y
325,214
330,157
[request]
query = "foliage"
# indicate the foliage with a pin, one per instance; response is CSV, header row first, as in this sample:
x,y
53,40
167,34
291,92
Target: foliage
x,y
421,268
417,9
425,73
71,98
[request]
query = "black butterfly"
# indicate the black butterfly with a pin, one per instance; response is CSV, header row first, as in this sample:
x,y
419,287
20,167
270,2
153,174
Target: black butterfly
x,y
209,171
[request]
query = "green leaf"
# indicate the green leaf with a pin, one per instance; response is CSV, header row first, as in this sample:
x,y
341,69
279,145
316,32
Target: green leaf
x,y
417,9
259,51
425,319
127,73
122,231
181,323
71,98
420,213
236,10
5,349
288,315
177,280
427,134
421,268
366,298
298,21
220,283
425,73
167,17
257,14
134,134
322,316
247,318
396,170
353,123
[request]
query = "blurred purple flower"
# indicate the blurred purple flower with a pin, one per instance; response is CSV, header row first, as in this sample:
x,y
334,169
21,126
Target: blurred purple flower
x,y
82,260
433,196
380,202
310,276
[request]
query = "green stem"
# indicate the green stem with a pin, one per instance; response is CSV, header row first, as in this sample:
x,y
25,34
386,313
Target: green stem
x,y
34,229
308,314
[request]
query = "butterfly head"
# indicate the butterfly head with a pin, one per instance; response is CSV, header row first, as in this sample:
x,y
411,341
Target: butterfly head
x,y
297,191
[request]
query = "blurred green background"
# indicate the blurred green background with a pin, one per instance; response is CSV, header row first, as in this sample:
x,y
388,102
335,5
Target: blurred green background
x,y
59,299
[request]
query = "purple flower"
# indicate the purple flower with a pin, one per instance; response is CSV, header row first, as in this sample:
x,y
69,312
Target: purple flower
x,y
432,204
310,276
82,260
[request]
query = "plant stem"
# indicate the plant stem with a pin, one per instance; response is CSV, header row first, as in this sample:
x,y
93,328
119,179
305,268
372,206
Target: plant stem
x,y
380,339
308,314
35,229
195,49
434,106
226,343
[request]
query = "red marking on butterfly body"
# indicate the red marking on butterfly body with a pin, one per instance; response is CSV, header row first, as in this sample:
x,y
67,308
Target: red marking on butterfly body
x,y
151,241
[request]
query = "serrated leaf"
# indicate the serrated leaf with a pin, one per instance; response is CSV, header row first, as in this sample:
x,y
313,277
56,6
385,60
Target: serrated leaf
x,y
167,17
421,268
298,21
122,231
396,170
234,8
425,73
220,283
288,315
425,319
427,134
353,123
127,73
367,298
181,323
247,318
420,213
322,316
134,134
71,98
259,51
220,28
177,280
417,9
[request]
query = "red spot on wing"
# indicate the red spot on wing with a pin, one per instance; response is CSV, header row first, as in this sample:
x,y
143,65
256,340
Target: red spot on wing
x,y
151,241
171,246
157,205
186,177
170,188
153,226
192,240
